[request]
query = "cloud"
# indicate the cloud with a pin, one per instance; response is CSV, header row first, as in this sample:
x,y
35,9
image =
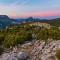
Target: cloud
x,y
13,9
23,8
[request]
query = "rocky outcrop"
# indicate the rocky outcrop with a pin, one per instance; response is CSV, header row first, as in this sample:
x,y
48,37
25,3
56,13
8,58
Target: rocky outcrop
x,y
14,56
22,56
38,50
34,50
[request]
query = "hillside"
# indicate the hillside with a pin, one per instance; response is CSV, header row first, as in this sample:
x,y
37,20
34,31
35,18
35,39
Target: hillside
x,y
54,22
5,21
26,42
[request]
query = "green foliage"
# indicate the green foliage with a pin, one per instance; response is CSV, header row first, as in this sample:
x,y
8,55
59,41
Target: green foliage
x,y
23,36
58,54
12,39
54,33
53,22
19,34
1,50
9,40
1,38
43,35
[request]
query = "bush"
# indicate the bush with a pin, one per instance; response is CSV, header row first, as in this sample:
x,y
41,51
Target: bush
x,y
18,35
9,40
1,50
22,37
58,54
43,35
12,39
1,39
54,34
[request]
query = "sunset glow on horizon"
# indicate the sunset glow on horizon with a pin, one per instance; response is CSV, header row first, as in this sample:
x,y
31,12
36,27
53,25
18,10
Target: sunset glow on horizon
x,y
27,8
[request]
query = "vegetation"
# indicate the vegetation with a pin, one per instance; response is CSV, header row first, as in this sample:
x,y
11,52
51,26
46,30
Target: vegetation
x,y
14,36
1,50
45,34
20,33
58,54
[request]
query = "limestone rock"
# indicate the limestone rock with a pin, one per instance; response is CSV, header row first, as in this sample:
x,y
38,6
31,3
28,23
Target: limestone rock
x,y
22,55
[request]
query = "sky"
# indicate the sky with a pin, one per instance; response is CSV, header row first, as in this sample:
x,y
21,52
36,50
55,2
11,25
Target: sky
x,y
30,8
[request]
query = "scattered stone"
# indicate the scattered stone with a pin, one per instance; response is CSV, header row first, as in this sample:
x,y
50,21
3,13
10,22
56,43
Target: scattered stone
x,y
35,50
22,55
12,57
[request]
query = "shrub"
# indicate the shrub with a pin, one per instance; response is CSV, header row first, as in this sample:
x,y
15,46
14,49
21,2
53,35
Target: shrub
x,y
43,35
54,34
12,39
1,39
58,54
9,40
1,50
22,37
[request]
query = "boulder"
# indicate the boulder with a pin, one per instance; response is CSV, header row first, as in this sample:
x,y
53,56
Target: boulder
x,y
22,56
13,56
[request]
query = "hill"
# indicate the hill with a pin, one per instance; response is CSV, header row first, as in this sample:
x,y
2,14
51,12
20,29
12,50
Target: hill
x,y
5,21
54,22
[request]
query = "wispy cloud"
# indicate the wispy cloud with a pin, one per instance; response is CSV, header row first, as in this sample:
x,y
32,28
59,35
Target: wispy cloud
x,y
13,9
26,8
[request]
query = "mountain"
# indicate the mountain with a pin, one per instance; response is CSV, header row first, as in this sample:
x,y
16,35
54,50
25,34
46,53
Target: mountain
x,y
30,19
54,22
5,21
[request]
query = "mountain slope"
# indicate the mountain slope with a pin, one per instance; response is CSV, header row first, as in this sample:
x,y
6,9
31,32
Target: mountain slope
x,y
5,21
54,22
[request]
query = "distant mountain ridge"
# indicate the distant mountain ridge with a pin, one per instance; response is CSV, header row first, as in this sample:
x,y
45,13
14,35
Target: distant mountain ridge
x,y
54,22
4,17
6,21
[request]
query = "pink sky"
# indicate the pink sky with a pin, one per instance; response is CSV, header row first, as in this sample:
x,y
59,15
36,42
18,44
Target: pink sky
x,y
36,14
30,8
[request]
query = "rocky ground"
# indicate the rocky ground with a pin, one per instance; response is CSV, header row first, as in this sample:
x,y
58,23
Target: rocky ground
x,y
34,50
